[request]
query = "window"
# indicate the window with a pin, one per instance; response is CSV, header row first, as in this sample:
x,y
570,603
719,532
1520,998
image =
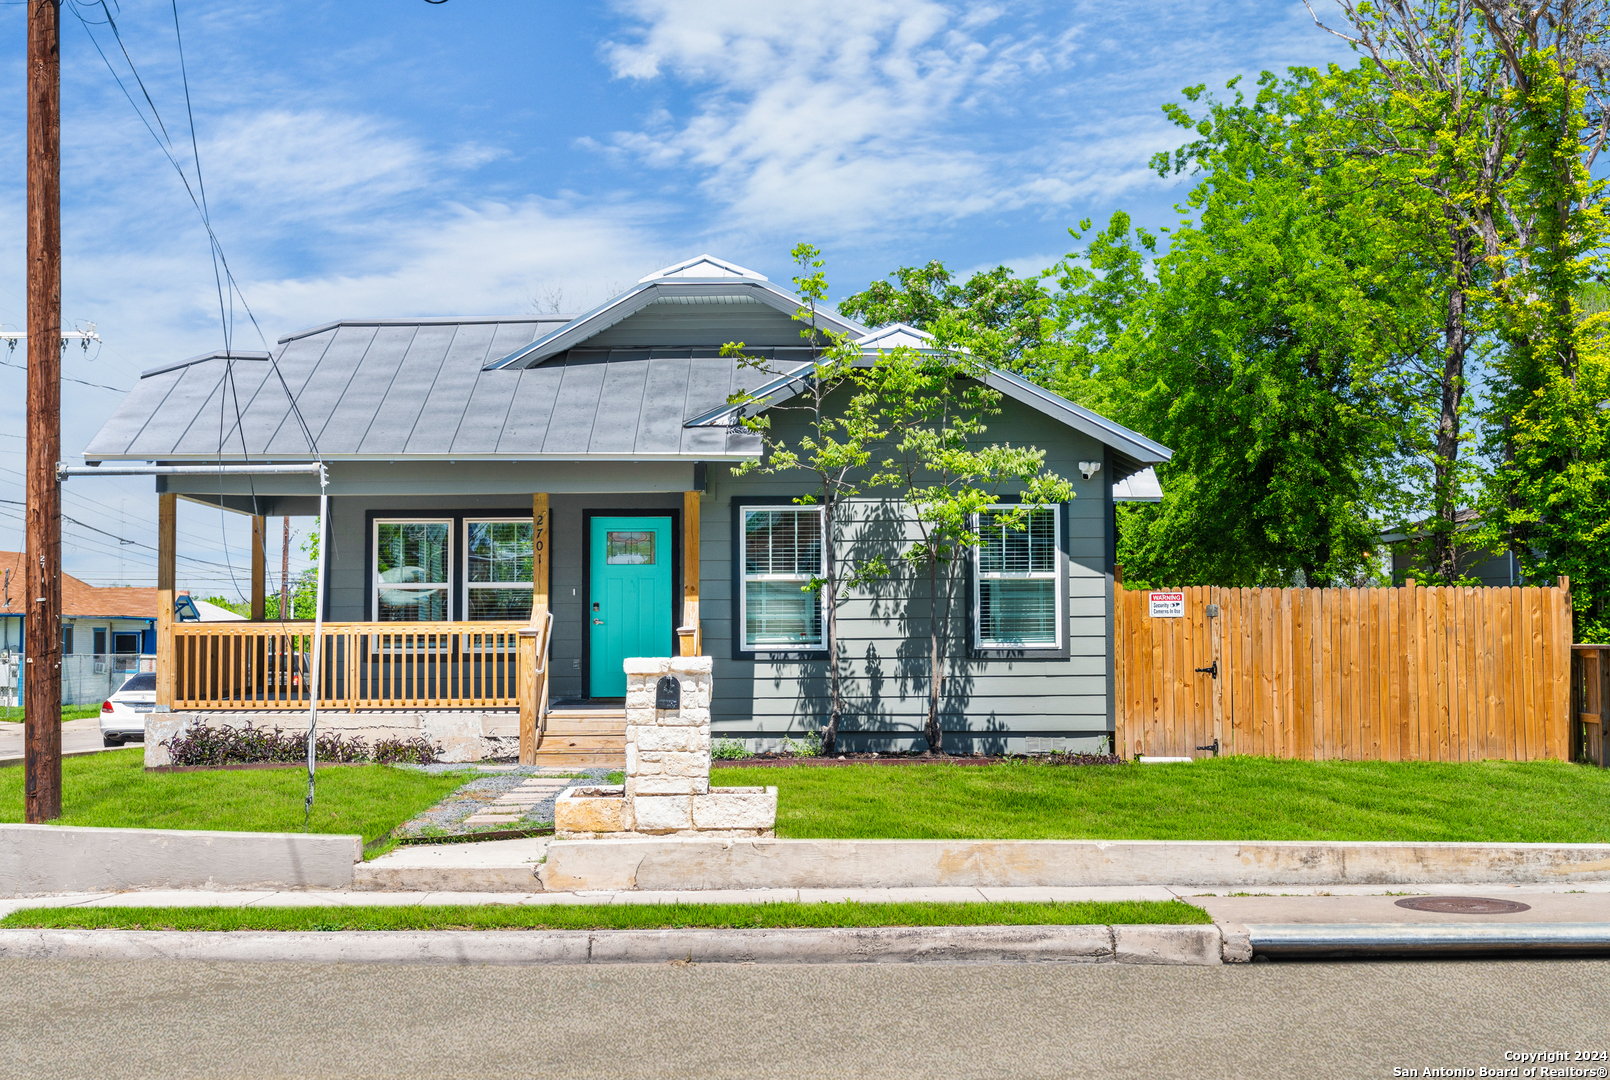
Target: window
x,y
497,569
124,644
629,548
67,640
412,568
100,641
1017,593
782,552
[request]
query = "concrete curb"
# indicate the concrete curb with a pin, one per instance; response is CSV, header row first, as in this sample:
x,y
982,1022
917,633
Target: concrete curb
x,y
691,864
1418,939
367,877
1160,945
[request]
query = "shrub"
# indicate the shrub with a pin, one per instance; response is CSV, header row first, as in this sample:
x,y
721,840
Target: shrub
x,y
728,750
809,746
203,744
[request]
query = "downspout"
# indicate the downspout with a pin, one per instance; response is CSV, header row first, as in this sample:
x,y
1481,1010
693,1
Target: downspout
x,y
318,644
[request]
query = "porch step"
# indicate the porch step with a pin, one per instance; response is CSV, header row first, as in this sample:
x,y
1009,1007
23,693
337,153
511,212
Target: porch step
x,y
592,738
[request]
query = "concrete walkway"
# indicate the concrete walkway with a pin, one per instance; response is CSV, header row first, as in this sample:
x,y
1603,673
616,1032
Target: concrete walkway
x,y
1589,904
77,737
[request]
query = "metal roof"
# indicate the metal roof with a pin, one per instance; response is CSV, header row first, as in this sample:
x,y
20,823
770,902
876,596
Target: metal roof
x,y
701,279
523,387
419,388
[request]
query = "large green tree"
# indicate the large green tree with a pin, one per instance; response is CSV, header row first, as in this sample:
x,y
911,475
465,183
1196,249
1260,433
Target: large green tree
x,y
1278,346
1003,314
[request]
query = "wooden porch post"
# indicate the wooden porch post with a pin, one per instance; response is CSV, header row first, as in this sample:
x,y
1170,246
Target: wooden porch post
x,y
167,676
688,632
259,566
534,645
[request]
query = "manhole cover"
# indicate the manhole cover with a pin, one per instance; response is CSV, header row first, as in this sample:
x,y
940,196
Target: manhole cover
x,y
1462,905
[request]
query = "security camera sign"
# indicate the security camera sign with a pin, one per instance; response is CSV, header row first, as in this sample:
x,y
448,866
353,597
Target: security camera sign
x,y
1166,605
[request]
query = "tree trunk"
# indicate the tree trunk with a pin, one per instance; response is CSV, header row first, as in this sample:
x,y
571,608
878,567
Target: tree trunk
x,y
936,667
1445,488
830,734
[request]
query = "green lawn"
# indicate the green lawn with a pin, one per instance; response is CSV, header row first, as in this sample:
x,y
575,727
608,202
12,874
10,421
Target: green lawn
x,y
607,916
13,713
112,789
1231,798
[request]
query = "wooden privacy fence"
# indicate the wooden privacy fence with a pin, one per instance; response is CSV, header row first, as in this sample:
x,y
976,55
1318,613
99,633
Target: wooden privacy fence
x,y
1405,674
364,666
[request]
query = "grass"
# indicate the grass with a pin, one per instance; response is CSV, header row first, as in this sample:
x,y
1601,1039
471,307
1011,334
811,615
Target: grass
x,y
113,790
608,916
1231,798
13,713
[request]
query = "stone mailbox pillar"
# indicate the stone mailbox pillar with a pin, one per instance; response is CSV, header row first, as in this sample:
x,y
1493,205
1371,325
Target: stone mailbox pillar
x,y
667,789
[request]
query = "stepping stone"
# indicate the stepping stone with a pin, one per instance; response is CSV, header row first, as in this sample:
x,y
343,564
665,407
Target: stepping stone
x,y
491,819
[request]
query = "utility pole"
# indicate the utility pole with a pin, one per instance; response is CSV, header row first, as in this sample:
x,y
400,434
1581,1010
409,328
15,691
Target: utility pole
x,y
42,636
285,572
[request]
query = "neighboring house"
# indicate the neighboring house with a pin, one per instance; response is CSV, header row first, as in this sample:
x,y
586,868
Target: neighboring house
x,y
445,438
105,632
1409,549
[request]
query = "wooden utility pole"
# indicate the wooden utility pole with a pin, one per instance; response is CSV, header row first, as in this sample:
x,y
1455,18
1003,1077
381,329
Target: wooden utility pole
x,y
42,633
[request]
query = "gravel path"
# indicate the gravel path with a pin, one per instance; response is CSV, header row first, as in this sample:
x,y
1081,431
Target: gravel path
x,y
480,789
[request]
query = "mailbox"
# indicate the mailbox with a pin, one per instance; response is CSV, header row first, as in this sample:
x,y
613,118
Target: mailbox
x,y
668,693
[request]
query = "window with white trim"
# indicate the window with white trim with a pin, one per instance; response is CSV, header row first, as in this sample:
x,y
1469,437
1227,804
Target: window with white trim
x,y
497,569
413,563
1017,583
782,552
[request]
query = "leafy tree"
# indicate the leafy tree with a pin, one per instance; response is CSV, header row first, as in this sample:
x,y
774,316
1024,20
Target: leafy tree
x,y
946,471
1004,313
1276,350
841,425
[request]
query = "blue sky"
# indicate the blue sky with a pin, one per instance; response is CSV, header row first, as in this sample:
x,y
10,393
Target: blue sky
x,y
393,157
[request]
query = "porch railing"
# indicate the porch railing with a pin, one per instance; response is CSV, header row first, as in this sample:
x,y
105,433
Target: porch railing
x,y
362,666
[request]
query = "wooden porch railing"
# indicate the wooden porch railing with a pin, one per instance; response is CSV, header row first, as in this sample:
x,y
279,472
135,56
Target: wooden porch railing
x,y
364,665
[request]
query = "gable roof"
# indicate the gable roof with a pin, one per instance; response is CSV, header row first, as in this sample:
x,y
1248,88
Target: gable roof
x,y
1132,451
638,377
701,280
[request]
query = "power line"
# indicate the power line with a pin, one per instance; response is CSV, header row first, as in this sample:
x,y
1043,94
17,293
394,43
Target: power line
x,y
69,378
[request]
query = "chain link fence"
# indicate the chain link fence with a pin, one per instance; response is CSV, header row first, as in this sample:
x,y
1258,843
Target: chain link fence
x,y
86,678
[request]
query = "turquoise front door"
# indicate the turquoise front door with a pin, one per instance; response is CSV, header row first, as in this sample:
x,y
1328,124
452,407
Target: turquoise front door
x,y
629,597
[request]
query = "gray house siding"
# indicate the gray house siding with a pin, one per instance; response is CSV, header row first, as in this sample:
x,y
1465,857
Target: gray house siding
x,y
998,703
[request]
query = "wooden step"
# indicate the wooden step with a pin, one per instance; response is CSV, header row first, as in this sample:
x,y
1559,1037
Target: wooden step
x,y
615,744
565,726
579,760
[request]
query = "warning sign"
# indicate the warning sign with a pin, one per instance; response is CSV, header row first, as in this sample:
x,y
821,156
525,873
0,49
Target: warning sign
x,y
1166,605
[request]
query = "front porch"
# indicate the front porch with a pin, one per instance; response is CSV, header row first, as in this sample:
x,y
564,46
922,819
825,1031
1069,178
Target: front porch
x,y
481,688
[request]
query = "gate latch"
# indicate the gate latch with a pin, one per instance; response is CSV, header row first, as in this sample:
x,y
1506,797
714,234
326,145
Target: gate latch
x,y
1213,746
1212,669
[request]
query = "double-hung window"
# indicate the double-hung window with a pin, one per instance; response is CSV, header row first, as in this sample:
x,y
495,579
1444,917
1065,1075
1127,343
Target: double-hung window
x,y
782,552
413,570
497,569
1017,583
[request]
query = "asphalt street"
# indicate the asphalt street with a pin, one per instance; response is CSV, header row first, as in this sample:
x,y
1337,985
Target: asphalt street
x,y
953,1021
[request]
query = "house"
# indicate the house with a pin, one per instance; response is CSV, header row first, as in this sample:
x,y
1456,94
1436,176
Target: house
x,y
107,633
1408,549
104,633
526,501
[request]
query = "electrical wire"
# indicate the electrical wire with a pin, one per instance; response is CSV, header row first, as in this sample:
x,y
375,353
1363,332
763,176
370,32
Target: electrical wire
x,y
69,378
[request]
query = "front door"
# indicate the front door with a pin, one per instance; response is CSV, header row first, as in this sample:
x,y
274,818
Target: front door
x,y
629,597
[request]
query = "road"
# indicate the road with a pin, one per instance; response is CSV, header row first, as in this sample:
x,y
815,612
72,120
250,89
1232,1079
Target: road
x,y
76,736
752,1022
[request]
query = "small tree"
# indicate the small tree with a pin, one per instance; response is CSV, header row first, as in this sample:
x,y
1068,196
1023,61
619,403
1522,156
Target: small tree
x,y
840,420
945,471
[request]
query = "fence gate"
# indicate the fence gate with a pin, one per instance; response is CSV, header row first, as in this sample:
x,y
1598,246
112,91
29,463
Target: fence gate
x,y
1171,672
1403,674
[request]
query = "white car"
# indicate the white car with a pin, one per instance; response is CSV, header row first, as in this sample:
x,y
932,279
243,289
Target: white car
x,y
123,714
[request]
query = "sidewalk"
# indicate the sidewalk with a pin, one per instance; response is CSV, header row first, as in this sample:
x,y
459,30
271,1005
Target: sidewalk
x,y
1359,905
77,737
